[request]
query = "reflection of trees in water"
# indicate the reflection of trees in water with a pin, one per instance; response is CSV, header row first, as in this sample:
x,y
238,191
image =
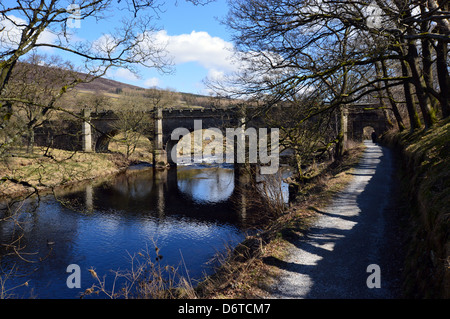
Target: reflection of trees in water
x,y
273,185
262,197
31,231
134,183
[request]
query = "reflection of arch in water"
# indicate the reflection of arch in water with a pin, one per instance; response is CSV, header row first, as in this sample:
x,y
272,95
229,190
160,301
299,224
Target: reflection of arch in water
x,y
179,202
202,187
168,198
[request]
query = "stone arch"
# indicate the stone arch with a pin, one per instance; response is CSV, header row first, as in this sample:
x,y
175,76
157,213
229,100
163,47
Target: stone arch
x,y
367,132
102,143
360,119
222,186
170,145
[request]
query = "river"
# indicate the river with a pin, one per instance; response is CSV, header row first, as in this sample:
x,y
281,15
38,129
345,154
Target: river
x,y
190,213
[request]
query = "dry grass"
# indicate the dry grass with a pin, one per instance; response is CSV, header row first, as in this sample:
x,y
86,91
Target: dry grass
x,y
139,150
146,279
23,173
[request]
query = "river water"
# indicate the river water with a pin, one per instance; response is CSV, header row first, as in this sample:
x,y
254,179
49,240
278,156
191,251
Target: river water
x,y
190,213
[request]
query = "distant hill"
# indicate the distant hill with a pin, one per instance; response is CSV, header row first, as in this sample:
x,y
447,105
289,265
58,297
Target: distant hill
x,y
112,88
106,85
103,88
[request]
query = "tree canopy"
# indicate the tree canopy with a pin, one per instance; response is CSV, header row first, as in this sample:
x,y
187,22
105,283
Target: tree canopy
x,y
346,51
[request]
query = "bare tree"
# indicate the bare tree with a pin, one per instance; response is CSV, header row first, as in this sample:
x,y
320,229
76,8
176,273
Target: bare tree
x,y
26,26
36,90
35,83
308,137
134,122
291,46
161,98
95,101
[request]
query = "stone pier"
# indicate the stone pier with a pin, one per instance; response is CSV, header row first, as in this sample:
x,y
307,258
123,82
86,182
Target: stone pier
x,y
159,154
86,131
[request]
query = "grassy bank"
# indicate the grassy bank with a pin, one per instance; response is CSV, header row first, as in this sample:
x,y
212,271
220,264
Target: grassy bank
x,y
244,272
425,177
23,173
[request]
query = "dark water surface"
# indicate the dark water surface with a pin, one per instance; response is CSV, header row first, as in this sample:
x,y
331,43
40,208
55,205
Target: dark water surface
x,y
190,213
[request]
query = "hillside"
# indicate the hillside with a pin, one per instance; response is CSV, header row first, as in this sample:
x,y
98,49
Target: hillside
x,y
103,93
106,85
111,89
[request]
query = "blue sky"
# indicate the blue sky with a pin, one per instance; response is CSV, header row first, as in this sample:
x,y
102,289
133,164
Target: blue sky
x,y
198,43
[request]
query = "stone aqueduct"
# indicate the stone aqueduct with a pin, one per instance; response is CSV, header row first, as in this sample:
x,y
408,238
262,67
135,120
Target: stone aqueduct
x,y
95,135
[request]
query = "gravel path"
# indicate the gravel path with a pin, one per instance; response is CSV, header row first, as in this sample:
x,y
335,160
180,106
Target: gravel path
x,y
351,234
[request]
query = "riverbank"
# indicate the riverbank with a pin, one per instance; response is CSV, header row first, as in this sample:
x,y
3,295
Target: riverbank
x,y
425,181
23,174
354,233
245,272
423,174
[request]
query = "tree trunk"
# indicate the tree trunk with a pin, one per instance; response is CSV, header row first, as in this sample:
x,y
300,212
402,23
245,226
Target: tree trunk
x,y
340,146
443,77
298,162
397,115
342,139
429,115
30,142
427,63
5,73
414,119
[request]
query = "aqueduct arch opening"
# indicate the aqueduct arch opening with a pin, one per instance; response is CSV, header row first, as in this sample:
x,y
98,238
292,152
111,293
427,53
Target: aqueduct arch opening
x,y
364,116
195,145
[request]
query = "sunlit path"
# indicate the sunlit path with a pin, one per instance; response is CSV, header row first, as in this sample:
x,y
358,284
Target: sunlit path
x,y
332,261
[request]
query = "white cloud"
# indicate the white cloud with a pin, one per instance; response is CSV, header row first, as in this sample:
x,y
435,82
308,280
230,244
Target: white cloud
x,y
123,74
216,75
105,44
210,52
151,82
11,32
